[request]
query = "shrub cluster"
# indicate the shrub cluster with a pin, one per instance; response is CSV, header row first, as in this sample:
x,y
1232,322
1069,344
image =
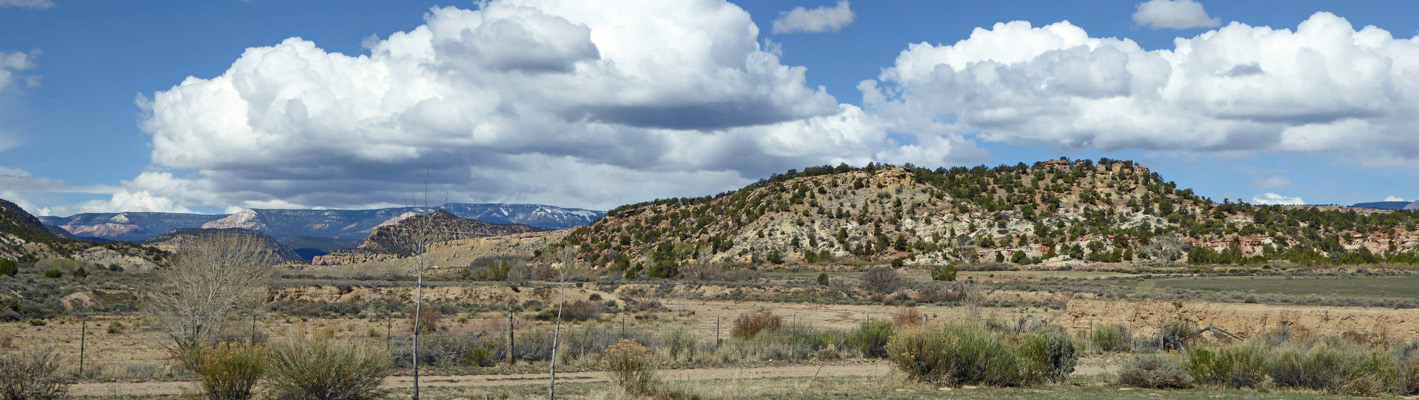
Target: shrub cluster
x,y
1154,371
871,338
881,280
1330,365
427,319
32,374
749,324
630,366
943,273
319,369
971,354
229,371
908,316
1235,366
9,267
1345,369
1110,338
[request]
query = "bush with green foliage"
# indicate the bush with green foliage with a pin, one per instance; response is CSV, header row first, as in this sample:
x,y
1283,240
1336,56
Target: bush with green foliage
x,y
1407,375
971,354
1049,354
664,269
1110,338
944,273
679,342
9,267
823,279
230,371
1152,371
53,274
1235,367
80,273
31,374
1347,369
631,367
304,368
871,337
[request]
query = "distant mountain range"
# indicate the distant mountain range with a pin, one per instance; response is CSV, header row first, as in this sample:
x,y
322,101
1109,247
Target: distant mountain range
x,y
284,225
23,238
1390,205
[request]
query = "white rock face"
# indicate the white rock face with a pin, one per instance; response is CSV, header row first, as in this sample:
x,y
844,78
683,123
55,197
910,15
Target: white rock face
x,y
1412,206
245,219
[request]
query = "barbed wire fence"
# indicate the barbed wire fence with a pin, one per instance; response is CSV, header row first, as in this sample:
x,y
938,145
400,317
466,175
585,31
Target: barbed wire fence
x,y
106,347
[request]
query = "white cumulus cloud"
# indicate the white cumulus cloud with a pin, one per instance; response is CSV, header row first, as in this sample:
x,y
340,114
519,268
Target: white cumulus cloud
x,y
576,103
1173,14
1324,87
1273,199
11,64
817,20
1394,198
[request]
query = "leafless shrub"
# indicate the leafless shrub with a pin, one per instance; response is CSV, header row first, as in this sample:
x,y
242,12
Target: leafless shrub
x,y
881,280
580,310
427,320
33,374
749,324
907,316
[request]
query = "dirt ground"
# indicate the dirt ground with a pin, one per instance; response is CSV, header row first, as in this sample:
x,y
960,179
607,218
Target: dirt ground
x,y
703,315
1245,320
177,388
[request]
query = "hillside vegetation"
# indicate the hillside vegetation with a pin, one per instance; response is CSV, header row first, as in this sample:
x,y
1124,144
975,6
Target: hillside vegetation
x,y
403,238
1055,212
24,239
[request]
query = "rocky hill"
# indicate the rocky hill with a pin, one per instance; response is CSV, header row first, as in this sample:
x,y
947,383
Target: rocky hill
x,y
23,238
177,238
1056,212
404,235
289,224
309,247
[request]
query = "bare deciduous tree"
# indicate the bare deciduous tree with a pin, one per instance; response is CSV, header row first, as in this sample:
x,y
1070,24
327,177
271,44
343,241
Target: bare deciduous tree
x,y
212,282
566,259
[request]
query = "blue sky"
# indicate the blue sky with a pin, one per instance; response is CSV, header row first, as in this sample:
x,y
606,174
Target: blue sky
x,y
593,105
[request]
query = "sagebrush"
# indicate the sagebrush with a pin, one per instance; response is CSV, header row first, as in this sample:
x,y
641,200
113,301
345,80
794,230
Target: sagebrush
x,y
31,374
230,371
304,368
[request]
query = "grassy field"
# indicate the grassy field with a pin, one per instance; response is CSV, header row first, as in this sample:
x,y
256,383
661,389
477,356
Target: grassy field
x,y
1393,287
